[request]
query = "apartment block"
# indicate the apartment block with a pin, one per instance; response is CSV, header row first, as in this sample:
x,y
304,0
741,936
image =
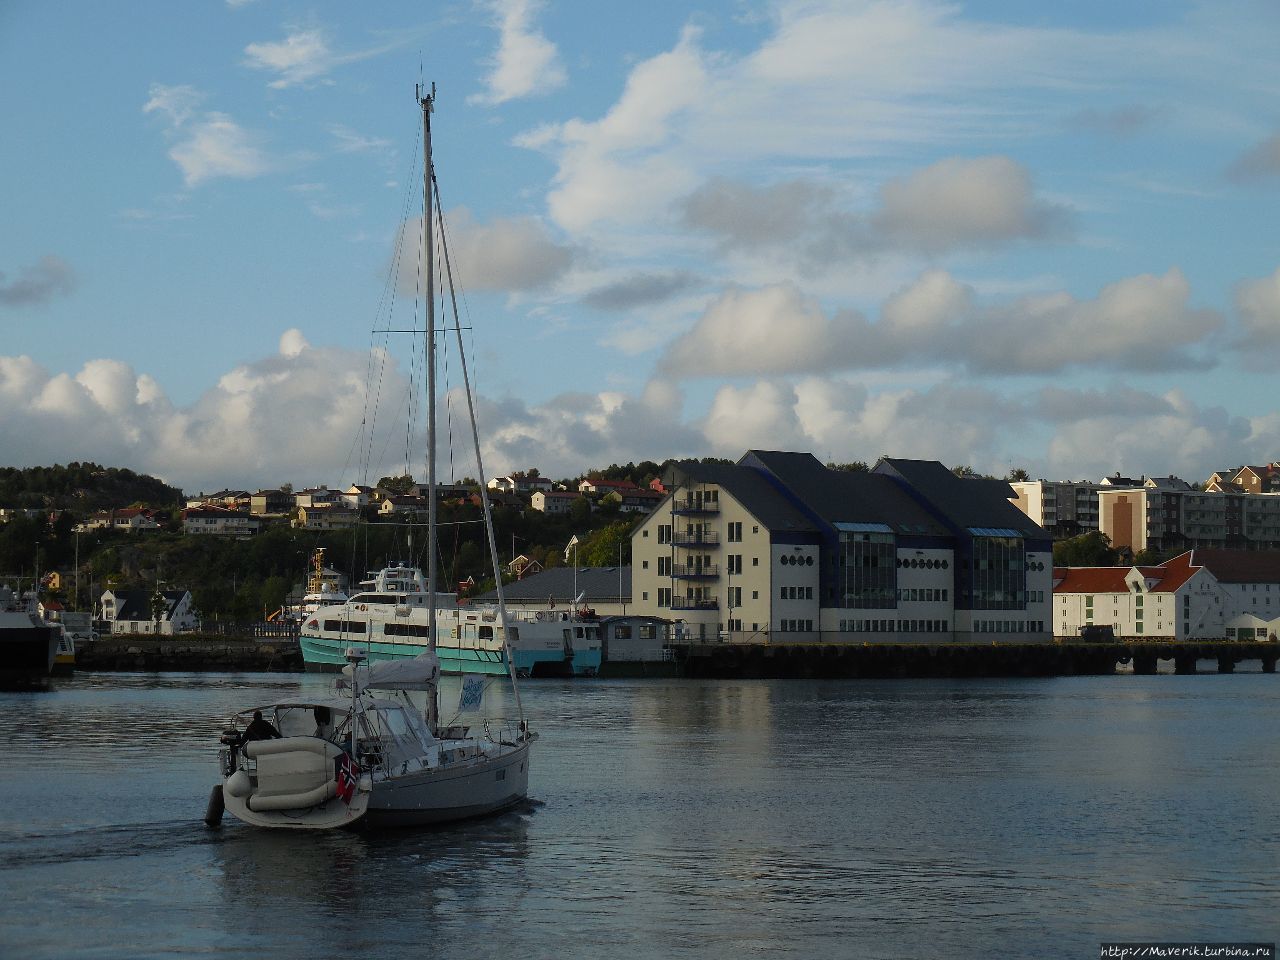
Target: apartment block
x,y
778,546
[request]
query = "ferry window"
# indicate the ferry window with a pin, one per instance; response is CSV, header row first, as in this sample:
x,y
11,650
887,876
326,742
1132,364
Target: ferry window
x,y
648,631
621,632
486,633
515,634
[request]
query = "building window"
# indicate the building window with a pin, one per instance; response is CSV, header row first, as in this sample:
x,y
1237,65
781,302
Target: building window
x,y
735,564
735,532
664,533
867,571
664,596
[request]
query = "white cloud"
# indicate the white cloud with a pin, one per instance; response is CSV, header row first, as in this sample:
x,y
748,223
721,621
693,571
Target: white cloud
x,y
772,330
289,417
615,168
304,57
177,103
300,57
526,63
213,145
958,203
953,205
832,84
351,142
218,147
511,255
1258,303
1138,323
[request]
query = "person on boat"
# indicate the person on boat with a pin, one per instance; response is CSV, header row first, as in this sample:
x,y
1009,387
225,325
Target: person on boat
x,y
259,729
323,717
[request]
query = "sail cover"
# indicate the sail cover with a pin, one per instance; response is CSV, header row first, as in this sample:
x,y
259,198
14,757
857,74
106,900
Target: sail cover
x,y
418,673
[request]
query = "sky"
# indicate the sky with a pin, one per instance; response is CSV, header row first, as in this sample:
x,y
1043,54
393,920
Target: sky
x,y
997,234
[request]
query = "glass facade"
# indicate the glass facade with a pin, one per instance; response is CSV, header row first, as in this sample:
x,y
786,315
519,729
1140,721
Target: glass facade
x,y
868,570
998,574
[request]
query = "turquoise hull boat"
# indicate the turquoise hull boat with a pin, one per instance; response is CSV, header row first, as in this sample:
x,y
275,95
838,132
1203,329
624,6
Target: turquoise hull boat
x,y
327,655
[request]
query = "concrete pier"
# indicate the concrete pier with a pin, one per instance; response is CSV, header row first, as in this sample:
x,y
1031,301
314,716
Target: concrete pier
x,y
124,652
710,659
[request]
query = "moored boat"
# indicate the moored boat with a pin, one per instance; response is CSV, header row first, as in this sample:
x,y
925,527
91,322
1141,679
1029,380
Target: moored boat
x,y
28,643
389,619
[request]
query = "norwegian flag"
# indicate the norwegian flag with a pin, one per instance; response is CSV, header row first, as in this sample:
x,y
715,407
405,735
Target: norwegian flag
x,y
348,776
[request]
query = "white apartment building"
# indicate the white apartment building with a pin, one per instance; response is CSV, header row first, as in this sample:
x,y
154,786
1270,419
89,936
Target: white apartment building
x,y
779,547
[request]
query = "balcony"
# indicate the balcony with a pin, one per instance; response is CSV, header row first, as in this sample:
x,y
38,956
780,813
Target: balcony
x,y
693,505
708,571
695,603
703,538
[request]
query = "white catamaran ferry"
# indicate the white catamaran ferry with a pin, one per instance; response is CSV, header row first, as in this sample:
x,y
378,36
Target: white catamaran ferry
x,y
388,619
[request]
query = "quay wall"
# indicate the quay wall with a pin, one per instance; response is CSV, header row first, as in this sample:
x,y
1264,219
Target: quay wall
x,y
715,660
712,660
189,652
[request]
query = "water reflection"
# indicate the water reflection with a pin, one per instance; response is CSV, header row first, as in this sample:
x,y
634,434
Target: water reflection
x,y
803,818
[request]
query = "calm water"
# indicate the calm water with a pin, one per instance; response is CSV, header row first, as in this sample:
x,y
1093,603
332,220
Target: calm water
x,y
1029,818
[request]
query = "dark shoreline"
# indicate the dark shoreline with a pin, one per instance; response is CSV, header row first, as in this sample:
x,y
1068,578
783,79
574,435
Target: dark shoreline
x,y
195,653
189,653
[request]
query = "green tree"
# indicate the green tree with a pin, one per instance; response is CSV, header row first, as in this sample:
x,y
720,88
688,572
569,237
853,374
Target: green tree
x,y
398,485
1018,474
580,512
1092,549
602,548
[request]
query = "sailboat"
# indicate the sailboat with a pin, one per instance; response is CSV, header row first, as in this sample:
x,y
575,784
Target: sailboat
x,y
371,754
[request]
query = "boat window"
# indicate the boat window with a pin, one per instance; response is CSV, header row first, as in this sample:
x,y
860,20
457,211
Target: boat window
x,y
515,634
349,626
486,633
621,632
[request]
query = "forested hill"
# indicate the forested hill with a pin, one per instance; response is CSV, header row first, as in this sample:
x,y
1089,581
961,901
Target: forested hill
x,y
84,487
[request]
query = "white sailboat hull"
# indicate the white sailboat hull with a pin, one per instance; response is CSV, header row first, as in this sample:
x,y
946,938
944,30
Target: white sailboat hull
x,y
477,787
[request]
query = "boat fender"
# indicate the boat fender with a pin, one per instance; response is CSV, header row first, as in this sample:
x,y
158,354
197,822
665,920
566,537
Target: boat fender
x,y
238,785
294,801
262,748
213,812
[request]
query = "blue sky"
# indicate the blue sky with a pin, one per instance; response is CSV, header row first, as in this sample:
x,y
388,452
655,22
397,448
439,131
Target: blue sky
x,y
999,234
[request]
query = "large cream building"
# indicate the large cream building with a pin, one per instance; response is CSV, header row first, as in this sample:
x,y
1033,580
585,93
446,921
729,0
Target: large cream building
x,y
779,547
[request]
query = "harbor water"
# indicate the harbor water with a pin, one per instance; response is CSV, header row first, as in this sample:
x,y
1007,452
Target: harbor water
x,y
668,818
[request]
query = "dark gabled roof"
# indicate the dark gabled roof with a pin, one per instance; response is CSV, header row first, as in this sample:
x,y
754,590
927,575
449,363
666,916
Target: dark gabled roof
x,y
965,502
839,496
750,488
136,604
600,584
1240,566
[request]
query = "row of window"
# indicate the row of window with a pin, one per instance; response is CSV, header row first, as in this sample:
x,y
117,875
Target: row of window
x,y
899,626
795,625
796,593
921,593
1008,626
647,631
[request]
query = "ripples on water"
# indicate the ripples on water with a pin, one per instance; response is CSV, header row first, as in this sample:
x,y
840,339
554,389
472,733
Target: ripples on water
x,y
673,818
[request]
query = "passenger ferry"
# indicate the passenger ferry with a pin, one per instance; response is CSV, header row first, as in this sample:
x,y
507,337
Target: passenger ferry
x,y
388,619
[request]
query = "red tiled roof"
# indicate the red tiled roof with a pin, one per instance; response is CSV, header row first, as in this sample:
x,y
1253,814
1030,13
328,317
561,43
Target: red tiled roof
x,y
1165,578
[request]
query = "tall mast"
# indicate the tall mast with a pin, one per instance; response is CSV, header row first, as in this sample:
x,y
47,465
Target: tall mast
x,y
427,100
